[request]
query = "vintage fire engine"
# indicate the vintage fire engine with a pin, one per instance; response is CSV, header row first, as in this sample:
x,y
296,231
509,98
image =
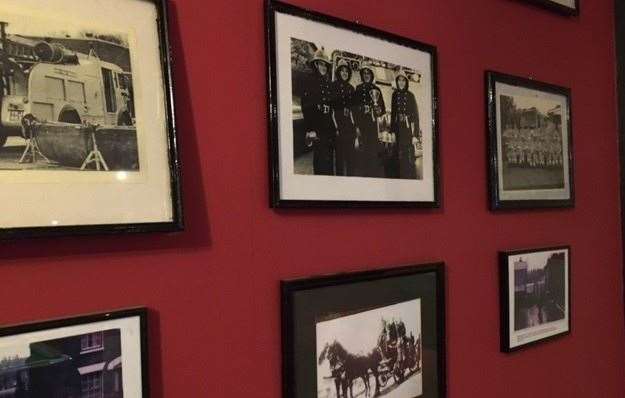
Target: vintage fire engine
x,y
55,87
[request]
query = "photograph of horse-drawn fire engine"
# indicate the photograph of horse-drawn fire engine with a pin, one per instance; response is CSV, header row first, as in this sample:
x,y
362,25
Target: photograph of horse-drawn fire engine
x,y
66,98
354,116
371,353
376,333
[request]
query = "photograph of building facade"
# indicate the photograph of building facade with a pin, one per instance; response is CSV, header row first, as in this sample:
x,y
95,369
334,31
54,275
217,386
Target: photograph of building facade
x,y
83,366
539,291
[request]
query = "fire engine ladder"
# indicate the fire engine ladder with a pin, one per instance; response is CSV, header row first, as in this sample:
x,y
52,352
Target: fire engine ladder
x,y
95,156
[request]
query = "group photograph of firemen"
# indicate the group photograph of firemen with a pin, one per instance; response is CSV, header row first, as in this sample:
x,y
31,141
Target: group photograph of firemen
x,y
531,143
354,116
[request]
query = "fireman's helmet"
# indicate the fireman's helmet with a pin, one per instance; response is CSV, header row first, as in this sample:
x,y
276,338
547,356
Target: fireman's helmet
x,y
320,56
342,63
402,73
365,66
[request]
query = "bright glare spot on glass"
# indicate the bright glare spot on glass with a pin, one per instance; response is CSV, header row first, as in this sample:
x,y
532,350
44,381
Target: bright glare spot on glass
x,y
55,222
122,175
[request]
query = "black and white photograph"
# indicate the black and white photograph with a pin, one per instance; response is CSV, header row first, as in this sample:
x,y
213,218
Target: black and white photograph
x,y
356,113
354,116
67,99
535,296
564,7
377,352
101,357
530,143
375,333
85,132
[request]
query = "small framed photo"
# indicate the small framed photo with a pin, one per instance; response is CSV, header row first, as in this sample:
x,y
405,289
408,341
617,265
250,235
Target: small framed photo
x,y
565,7
87,137
530,143
535,291
353,114
375,333
102,355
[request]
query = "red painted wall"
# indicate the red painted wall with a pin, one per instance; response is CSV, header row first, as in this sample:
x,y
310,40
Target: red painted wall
x,y
214,289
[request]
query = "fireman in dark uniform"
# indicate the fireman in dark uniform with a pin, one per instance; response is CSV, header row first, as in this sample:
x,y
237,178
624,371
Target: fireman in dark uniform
x,y
342,105
405,126
317,110
368,107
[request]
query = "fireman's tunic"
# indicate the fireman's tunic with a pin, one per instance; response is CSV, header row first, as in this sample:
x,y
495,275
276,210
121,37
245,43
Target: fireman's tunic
x,y
317,111
404,113
366,116
342,105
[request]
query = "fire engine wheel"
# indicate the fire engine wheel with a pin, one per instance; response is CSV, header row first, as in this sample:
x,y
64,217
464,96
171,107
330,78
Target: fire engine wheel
x,y
3,140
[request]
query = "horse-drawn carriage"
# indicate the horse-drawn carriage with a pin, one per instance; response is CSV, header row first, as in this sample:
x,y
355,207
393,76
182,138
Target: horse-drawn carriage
x,y
396,356
401,355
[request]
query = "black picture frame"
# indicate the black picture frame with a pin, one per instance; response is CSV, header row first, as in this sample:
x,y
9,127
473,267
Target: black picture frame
x,y
558,8
562,327
81,320
619,24
276,200
541,200
311,300
176,224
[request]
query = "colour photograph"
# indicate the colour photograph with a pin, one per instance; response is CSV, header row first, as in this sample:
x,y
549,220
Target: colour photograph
x,y
536,289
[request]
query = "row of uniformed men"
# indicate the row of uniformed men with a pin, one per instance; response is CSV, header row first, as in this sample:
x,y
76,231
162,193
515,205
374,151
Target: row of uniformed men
x,y
342,121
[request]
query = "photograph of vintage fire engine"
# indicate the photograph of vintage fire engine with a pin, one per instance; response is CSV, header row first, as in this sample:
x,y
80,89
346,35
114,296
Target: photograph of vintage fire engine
x,y
354,116
371,353
82,366
66,97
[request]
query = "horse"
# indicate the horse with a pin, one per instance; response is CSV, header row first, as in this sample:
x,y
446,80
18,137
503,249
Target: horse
x,y
355,366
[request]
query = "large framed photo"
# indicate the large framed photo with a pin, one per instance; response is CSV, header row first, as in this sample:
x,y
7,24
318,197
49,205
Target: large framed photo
x,y
565,7
535,291
101,355
530,143
375,333
353,114
87,135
